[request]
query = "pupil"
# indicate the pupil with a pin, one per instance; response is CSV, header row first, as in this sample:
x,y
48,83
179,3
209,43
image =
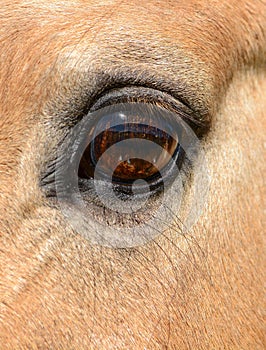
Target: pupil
x,y
129,168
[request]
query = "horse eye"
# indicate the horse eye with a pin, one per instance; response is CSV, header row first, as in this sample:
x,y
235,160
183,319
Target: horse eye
x,y
120,173
127,162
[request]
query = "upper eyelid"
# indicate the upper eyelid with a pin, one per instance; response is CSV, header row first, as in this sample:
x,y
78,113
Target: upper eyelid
x,y
85,87
137,94
133,93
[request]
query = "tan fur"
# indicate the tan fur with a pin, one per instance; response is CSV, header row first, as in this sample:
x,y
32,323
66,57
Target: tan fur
x,y
203,290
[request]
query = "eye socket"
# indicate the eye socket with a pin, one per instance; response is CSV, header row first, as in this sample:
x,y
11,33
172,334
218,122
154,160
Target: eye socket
x,y
107,209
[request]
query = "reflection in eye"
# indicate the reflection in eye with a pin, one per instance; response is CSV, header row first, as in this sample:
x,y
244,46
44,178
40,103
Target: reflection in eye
x,y
129,169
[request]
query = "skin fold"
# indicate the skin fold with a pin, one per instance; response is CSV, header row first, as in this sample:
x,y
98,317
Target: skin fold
x,y
200,290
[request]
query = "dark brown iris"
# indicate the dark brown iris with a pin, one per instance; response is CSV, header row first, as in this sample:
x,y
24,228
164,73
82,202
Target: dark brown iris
x,y
129,168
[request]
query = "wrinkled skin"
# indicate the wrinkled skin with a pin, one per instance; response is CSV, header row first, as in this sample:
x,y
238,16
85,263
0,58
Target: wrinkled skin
x,y
202,290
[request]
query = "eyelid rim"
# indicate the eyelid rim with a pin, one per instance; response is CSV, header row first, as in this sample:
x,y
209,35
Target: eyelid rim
x,y
135,93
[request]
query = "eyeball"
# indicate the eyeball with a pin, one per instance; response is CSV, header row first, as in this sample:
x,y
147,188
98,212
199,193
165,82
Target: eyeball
x,y
130,158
